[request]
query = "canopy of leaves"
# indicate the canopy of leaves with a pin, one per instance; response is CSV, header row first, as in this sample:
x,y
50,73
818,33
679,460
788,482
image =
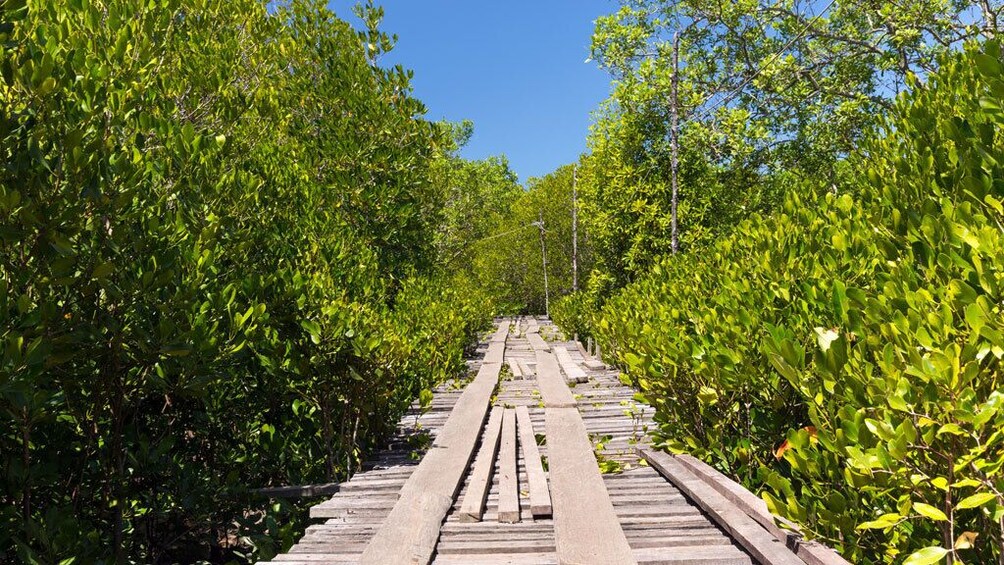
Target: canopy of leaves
x,y
861,331
218,270
770,93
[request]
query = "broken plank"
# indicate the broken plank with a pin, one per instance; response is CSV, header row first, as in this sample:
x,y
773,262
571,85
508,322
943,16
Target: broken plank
x,y
473,505
540,497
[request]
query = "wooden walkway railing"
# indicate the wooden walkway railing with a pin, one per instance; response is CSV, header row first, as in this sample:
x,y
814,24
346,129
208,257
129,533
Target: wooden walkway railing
x,y
510,472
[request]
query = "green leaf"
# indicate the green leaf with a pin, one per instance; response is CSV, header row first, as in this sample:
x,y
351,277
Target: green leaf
x,y
884,521
926,556
988,66
929,511
975,500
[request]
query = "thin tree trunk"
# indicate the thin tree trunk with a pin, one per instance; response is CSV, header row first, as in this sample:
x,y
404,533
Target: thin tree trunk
x,y
675,134
26,456
575,231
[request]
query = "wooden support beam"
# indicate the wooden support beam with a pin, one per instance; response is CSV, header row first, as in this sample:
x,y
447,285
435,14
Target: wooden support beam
x,y
301,491
540,497
409,533
473,506
508,479
813,553
765,548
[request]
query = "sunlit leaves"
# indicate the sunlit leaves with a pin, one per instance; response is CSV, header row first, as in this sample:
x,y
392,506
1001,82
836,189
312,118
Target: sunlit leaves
x,y
873,315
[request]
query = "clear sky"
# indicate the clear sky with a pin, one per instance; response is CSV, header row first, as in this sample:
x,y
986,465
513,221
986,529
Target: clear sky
x,y
516,68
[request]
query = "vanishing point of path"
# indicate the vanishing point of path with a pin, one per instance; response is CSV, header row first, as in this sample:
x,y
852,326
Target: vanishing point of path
x,y
542,458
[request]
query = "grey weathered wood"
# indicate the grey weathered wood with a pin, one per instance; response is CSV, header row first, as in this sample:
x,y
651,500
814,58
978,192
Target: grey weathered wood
x,y
517,373
747,532
811,552
508,481
301,491
473,506
553,390
540,497
537,342
586,528
409,533
573,372
587,359
698,555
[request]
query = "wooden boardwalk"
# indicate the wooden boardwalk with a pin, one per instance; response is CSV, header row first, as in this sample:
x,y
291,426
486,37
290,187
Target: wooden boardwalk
x,y
506,468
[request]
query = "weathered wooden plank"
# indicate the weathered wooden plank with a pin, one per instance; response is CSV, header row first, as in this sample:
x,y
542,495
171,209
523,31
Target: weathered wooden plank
x,y
811,552
586,528
473,505
587,359
698,555
540,497
517,373
409,533
537,342
553,390
302,491
761,544
572,371
508,510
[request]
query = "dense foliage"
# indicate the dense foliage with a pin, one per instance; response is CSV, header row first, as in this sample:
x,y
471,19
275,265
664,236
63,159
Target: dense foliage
x,y
218,269
771,92
511,260
843,354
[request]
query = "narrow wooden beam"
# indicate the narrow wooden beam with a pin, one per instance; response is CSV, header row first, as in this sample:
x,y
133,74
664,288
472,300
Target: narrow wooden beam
x,y
540,497
586,527
473,506
553,390
811,552
573,372
508,479
750,535
517,373
301,491
409,533
537,342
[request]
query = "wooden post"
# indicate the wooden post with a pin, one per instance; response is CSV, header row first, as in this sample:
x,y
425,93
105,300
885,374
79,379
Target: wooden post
x,y
575,231
675,134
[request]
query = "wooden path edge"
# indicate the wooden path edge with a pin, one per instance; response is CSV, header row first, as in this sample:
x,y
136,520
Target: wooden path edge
x,y
765,547
812,552
410,532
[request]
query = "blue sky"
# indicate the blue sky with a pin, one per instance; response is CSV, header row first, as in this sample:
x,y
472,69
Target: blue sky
x,y
516,68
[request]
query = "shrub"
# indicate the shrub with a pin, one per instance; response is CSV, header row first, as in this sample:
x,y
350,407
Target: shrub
x,y
862,328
